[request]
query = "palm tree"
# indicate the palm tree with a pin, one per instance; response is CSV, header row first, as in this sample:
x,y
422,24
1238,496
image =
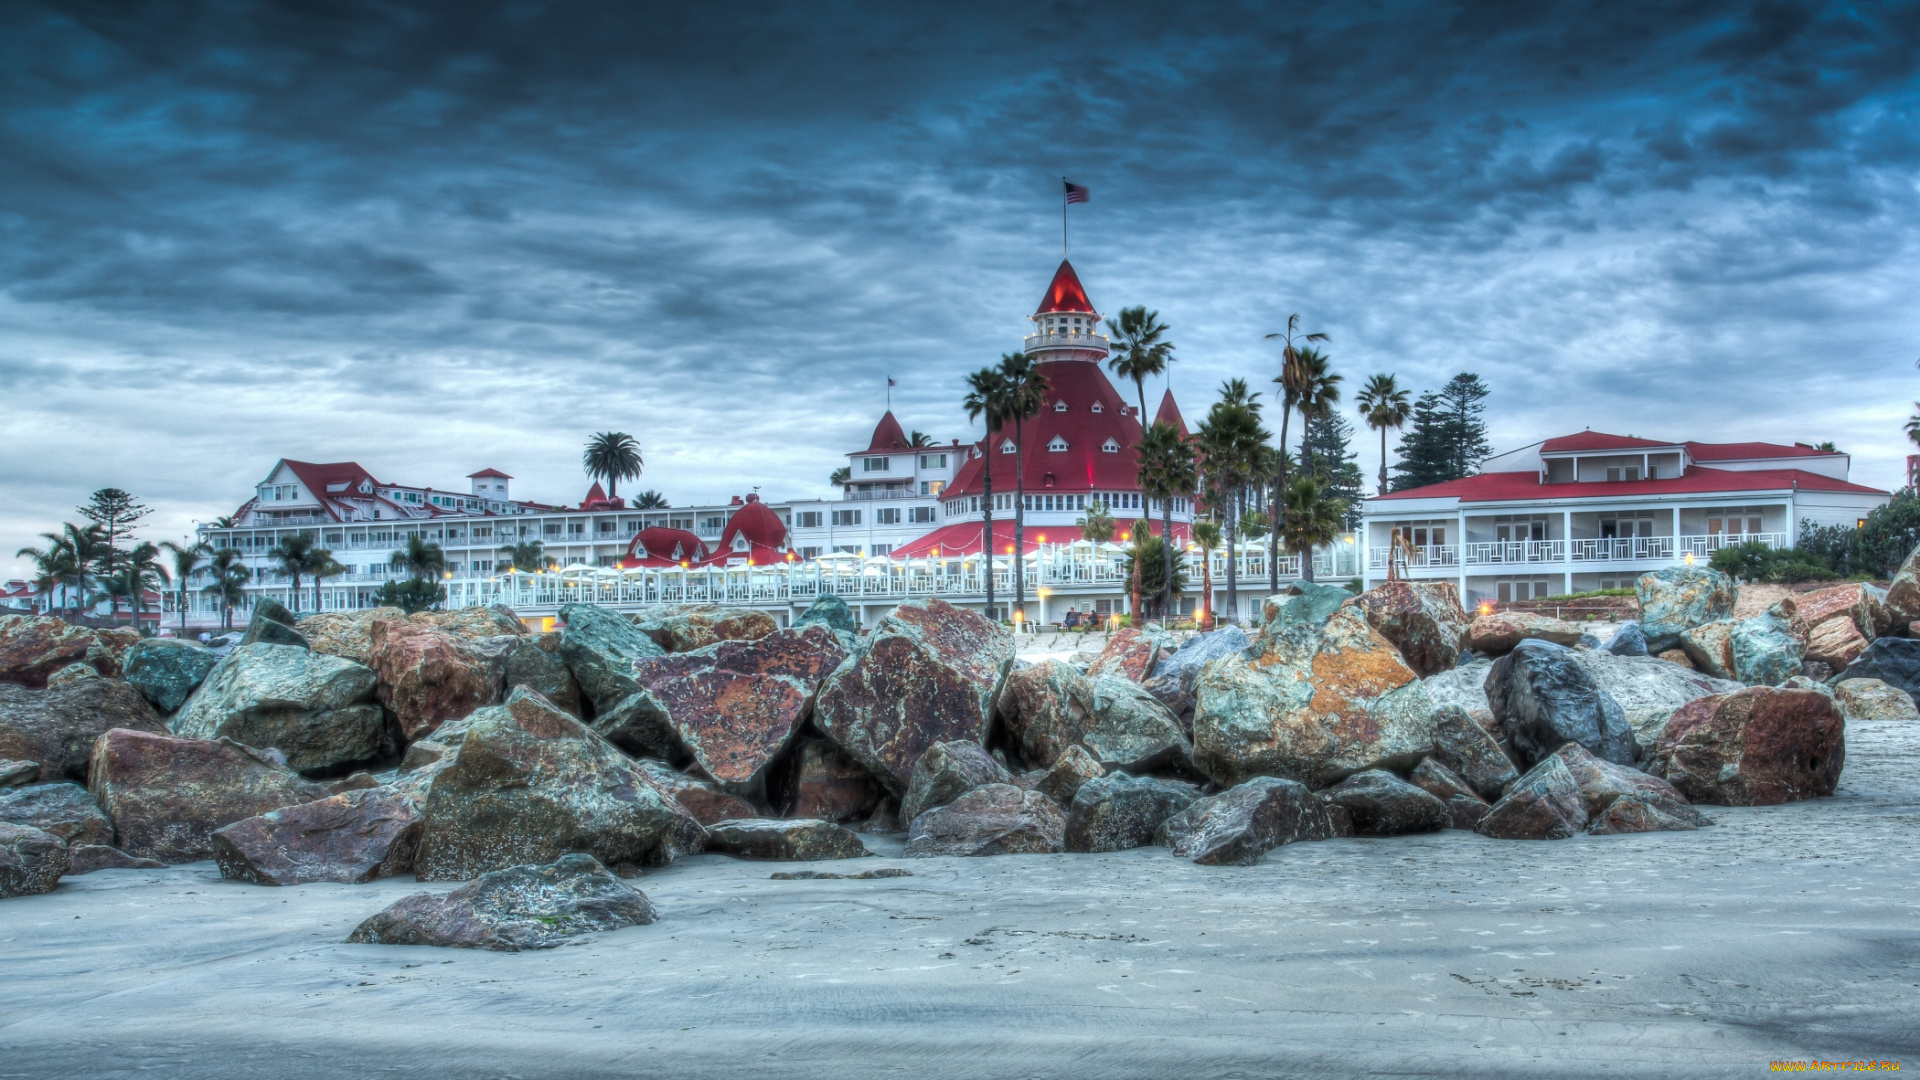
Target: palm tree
x,y
323,568
919,438
1097,526
987,399
1292,380
650,500
1383,405
1319,393
1233,446
50,568
419,558
1167,472
525,557
1138,351
841,475
1138,536
187,559
612,456
139,569
1313,518
78,553
1913,425
1206,537
1027,391
229,584
294,556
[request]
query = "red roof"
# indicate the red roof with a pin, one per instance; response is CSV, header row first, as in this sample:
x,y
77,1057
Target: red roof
x,y
963,538
346,475
1747,451
1169,413
1065,293
597,499
1523,487
661,546
1084,465
485,473
765,533
1598,440
887,435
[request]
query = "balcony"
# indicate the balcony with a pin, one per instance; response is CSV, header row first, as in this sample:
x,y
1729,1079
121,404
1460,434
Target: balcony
x,y
1701,547
1535,553
851,495
1066,341
1622,549
1428,555
1516,552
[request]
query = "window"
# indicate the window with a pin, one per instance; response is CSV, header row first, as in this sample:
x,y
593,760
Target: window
x,y
807,519
576,528
846,549
713,524
933,461
846,517
550,528
1007,447
1111,446
883,549
921,515
484,566
1097,407
887,515
1653,472
876,464
1057,444
809,552
606,527
1060,406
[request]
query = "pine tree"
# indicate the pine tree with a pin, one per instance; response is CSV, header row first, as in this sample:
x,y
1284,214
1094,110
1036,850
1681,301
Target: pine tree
x,y
1329,446
1447,438
1422,450
1462,402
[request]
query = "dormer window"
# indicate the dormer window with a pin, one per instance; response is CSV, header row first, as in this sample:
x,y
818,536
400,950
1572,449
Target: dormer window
x,y
1099,408
1058,444
1007,447
1111,446
1060,406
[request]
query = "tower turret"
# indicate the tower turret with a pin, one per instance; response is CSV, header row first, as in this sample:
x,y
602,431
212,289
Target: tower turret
x,y
1066,327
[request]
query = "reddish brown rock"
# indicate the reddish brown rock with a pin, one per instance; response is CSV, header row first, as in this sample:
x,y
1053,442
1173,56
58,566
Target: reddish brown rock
x,y
696,626
1464,805
33,647
1545,804
829,785
928,672
1637,814
707,803
784,839
57,728
1601,782
1243,823
1500,631
1756,747
346,634
997,819
1129,653
428,675
473,623
166,796
1836,641
109,651
1065,776
353,837
736,704
1423,619
514,908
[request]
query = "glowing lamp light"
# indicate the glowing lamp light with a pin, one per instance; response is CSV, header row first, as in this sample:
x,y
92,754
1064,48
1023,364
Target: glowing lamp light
x,y
1042,538
1486,608
1689,558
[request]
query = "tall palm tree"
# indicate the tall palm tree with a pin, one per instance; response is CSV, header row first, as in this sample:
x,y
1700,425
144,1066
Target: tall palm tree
x,y
1314,517
612,456
323,568
1167,472
226,522
1137,536
1140,350
1206,537
187,559
649,500
140,570
1233,446
1097,527
1913,425
841,475
51,568
525,557
80,553
1319,393
419,558
293,556
1292,380
987,399
229,584
1027,392
1383,405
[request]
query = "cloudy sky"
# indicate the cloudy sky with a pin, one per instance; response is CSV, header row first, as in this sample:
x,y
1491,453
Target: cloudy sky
x,y
432,239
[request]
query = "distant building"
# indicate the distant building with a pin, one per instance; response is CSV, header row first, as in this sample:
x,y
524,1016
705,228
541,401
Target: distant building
x,y
1595,511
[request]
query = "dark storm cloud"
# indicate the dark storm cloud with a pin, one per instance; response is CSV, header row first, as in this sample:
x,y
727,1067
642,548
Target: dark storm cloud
x,y
435,237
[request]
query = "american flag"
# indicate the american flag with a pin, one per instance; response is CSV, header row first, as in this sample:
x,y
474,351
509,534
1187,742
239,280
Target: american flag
x,y
1076,192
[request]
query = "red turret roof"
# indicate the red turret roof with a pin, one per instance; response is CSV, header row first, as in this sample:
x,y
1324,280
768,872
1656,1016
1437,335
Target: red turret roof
x,y
887,435
1170,414
1066,293
485,473
1084,464
764,532
661,546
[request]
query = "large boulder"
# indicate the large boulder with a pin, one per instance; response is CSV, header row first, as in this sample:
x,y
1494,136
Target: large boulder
x,y
1903,595
1648,689
1239,825
1316,705
353,837
1894,661
1381,804
696,626
534,661
33,647
1871,699
1468,749
316,709
1172,678
1066,775
530,784
428,675
947,771
1498,632
706,802
1543,698
515,908
997,819
473,623
1545,804
273,624
1423,619
1464,805
1303,603
831,612
1836,642
167,670
1766,650
785,839
1679,598
65,810
1129,654
1047,705
1602,783
1710,647
167,795
827,784
1629,640
1051,707
1842,621
599,646
736,704
346,634
1117,812
57,728
1466,687
31,861
1754,747
928,672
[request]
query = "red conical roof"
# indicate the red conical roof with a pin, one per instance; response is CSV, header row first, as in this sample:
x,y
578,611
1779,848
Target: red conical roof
x,y
887,435
1065,293
1170,414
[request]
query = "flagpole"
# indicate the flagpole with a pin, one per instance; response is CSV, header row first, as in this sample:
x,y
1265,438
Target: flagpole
x,y
1065,250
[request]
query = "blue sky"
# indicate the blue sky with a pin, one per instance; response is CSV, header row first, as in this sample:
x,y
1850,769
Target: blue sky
x,y
432,239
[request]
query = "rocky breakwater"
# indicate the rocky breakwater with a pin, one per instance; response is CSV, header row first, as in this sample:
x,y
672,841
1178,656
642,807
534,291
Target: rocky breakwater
x,y
315,709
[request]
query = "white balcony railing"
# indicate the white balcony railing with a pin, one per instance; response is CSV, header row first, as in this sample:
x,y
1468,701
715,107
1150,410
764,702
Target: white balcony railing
x,y
1705,546
1426,555
1511,552
1066,341
855,495
1630,549
1622,549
